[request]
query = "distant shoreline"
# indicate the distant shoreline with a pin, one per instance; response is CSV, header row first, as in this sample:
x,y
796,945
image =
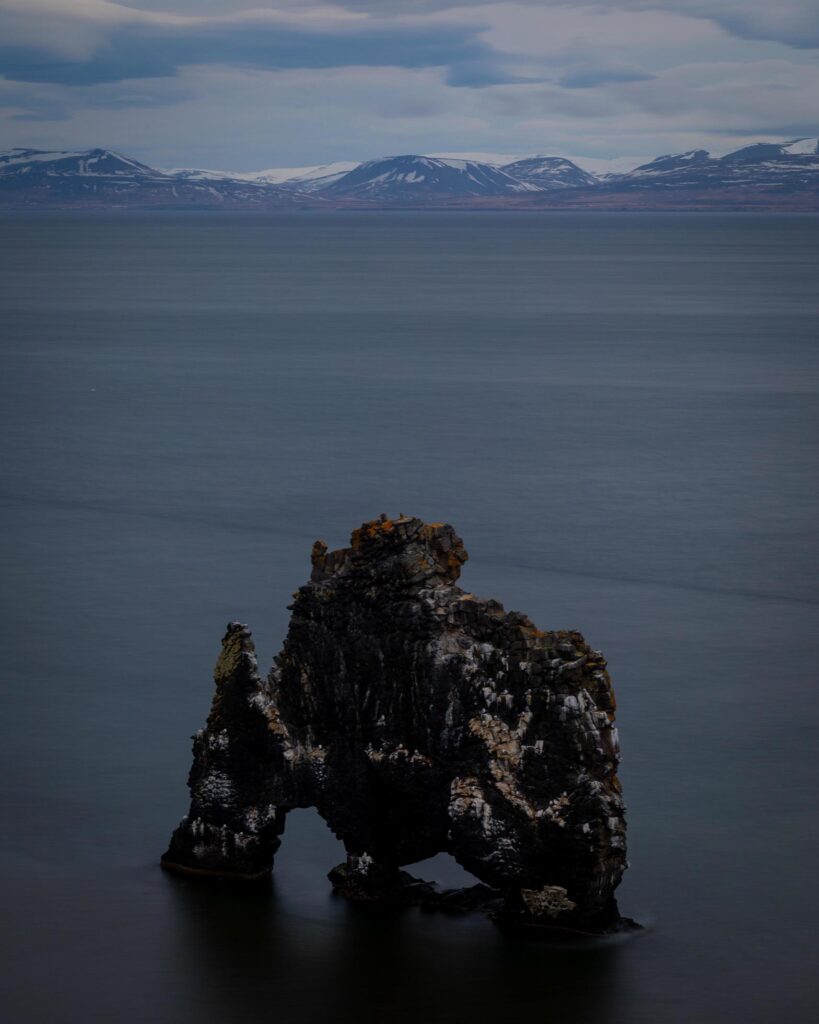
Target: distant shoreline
x,y
618,203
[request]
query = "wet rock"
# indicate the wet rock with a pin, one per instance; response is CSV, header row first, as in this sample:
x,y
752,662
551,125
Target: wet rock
x,y
417,719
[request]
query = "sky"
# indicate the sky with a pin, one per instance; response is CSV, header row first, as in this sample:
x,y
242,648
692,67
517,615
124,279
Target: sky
x,y
250,84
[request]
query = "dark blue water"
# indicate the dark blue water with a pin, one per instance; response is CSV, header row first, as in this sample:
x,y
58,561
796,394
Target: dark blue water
x,y
617,412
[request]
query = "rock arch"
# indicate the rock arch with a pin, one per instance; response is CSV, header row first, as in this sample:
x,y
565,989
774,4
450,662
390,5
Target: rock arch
x,y
417,719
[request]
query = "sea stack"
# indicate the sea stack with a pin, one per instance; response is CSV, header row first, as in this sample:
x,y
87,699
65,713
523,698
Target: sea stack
x,y
417,719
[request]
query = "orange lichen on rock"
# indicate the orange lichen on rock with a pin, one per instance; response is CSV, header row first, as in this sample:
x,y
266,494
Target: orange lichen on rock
x,y
371,531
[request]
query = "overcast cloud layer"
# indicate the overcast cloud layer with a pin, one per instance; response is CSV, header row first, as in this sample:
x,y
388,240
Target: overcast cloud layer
x,y
247,84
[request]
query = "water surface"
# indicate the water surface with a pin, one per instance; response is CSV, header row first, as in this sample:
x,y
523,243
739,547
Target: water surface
x,y
617,412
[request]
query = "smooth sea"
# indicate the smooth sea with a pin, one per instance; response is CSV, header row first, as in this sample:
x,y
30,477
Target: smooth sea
x,y
617,412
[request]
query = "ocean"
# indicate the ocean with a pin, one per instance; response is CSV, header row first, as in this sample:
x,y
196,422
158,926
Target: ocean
x,y
618,414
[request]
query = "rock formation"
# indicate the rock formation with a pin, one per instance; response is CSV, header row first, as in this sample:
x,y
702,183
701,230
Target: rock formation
x,y
417,719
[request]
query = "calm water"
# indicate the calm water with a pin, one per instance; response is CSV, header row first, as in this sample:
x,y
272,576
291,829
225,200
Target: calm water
x,y
618,413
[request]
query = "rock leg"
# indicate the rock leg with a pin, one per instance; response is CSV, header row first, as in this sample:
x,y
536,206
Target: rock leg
x,y
240,781
550,876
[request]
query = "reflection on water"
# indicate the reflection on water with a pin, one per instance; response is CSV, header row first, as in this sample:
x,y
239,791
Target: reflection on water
x,y
247,950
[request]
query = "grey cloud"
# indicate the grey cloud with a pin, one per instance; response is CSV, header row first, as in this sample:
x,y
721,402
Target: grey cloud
x,y
44,102
553,100
476,74
151,50
770,97
588,78
800,30
201,88
411,107
37,117
792,22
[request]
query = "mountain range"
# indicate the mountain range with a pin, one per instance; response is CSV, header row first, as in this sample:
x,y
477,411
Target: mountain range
x,y
781,175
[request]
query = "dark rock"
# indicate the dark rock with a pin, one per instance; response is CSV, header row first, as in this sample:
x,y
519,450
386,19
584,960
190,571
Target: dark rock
x,y
417,719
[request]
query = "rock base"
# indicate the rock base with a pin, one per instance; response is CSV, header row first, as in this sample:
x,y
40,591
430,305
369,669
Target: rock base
x,y
405,890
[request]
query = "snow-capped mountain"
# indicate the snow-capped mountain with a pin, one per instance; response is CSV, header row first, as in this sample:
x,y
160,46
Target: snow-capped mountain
x,y
32,177
550,172
786,152
672,165
764,175
790,165
66,163
417,177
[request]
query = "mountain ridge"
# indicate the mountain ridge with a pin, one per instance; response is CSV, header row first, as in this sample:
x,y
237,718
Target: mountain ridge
x,y
763,175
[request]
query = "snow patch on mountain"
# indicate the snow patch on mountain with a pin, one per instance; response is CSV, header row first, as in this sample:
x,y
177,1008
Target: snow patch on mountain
x,y
271,176
15,157
550,172
801,147
411,176
74,163
602,168
494,159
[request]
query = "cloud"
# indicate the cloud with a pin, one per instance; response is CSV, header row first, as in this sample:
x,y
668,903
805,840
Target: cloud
x,y
791,22
244,84
588,78
237,119
771,96
478,74
98,41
